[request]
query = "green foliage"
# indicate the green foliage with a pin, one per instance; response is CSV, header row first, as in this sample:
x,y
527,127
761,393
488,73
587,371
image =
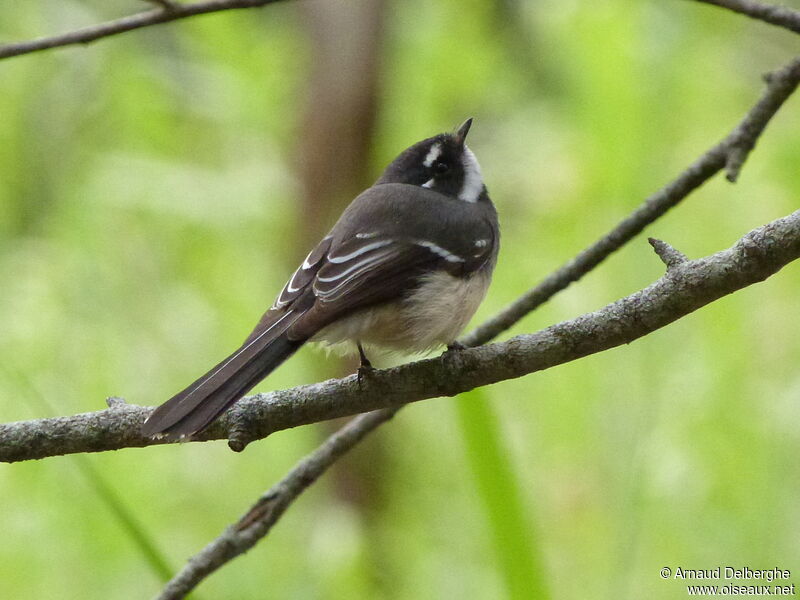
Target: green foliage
x,y
147,217
499,489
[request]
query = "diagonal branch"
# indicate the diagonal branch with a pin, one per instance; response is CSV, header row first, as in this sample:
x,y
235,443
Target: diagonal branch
x,y
782,16
731,151
687,286
257,522
166,12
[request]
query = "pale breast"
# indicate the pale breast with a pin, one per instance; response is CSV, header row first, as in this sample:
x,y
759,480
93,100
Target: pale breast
x,y
433,315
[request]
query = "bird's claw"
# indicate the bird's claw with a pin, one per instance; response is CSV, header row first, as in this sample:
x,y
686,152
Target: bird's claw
x,y
455,347
364,371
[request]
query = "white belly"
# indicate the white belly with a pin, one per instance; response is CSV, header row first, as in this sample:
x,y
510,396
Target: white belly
x,y
434,315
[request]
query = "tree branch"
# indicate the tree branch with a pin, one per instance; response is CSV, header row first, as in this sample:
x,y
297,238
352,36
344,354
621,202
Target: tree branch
x,y
263,516
257,522
683,289
738,143
687,286
231,544
166,12
169,10
782,16
118,427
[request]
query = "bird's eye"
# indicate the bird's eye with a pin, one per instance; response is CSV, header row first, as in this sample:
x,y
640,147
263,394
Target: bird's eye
x,y
440,168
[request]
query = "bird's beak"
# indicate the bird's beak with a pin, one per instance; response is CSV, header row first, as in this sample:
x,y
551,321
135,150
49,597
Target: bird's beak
x,y
461,132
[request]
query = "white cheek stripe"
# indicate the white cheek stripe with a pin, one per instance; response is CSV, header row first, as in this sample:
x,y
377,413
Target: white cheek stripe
x,y
473,180
359,251
436,249
428,184
434,153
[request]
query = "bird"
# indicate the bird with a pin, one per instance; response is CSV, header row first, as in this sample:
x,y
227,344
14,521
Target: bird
x,y
403,270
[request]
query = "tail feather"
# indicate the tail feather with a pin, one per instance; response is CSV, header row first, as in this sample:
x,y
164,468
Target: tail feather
x,y
194,408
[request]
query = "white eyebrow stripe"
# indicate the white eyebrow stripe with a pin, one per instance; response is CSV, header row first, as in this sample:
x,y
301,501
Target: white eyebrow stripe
x,y
473,180
436,249
434,153
358,251
366,236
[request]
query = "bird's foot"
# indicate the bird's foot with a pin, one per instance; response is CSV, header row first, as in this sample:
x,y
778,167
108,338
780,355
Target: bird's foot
x,y
364,372
455,346
452,356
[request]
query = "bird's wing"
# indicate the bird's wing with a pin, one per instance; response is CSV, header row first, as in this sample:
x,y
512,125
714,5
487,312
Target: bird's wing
x,y
382,244
374,275
369,268
371,272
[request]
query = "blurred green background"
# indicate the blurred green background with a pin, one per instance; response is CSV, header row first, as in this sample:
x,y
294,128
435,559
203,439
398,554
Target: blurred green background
x,y
152,187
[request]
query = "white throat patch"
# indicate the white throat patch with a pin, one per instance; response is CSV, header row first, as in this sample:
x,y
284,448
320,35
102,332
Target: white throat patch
x,y
473,180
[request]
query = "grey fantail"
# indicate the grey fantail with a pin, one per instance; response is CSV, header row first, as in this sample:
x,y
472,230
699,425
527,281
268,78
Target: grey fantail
x,y
404,269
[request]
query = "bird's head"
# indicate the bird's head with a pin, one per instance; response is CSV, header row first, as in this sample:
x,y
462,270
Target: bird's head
x,y
442,163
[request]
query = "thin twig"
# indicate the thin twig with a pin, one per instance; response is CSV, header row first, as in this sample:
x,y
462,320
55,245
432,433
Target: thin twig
x,y
780,85
147,18
169,10
257,522
782,16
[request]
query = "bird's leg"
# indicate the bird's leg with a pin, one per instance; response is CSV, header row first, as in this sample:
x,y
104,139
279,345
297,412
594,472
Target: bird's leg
x,y
365,368
365,364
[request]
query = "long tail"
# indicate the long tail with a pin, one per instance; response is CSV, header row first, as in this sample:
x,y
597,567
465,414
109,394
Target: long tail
x,y
198,405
